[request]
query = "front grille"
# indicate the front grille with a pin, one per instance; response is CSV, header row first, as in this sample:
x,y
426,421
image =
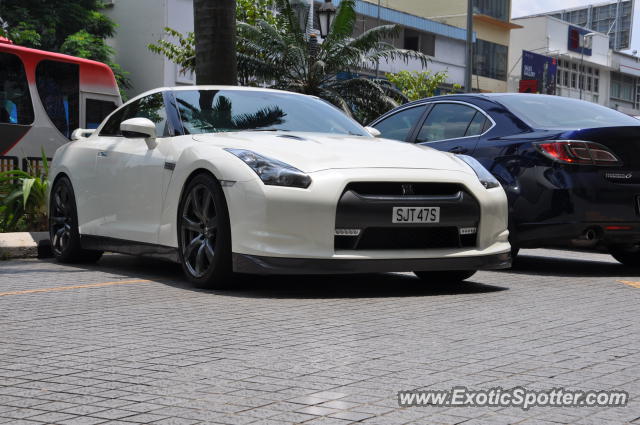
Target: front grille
x,y
377,238
393,188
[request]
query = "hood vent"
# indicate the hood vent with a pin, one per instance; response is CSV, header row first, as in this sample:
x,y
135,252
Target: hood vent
x,y
291,136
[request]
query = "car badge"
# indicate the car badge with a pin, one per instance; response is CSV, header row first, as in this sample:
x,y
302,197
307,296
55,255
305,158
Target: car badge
x,y
407,189
623,176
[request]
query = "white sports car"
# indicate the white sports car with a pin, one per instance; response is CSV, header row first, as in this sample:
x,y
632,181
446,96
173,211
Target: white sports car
x,y
232,179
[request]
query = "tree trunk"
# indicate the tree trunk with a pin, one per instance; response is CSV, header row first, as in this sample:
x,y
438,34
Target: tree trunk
x,y
215,37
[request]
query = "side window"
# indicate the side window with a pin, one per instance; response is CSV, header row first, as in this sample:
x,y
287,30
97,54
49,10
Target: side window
x,y
398,126
59,89
15,100
96,111
446,121
478,125
151,107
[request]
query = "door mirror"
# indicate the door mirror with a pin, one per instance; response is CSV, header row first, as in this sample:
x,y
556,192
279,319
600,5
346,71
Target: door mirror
x,y
373,131
135,128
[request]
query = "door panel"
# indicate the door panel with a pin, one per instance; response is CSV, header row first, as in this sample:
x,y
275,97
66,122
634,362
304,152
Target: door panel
x,y
131,174
131,198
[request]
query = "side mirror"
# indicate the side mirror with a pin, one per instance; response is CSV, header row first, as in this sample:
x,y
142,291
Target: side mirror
x,y
81,133
373,131
136,128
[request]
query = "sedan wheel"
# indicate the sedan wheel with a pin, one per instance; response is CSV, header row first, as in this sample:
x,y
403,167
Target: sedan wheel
x,y
63,225
204,233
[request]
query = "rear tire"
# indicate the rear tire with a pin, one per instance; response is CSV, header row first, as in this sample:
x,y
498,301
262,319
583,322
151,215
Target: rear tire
x,y
204,234
627,255
448,276
63,226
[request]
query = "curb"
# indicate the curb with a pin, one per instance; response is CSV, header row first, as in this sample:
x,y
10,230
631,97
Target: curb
x,y
25,245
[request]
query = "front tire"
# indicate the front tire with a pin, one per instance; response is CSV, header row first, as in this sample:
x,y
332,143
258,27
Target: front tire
x,y
444,277
63,226
204,234
627,255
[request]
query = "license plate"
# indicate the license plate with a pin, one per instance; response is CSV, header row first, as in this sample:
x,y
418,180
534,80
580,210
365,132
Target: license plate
x,y
416,215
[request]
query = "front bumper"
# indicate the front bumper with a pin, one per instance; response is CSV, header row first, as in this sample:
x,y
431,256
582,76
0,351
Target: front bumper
x,y
292,223
251,264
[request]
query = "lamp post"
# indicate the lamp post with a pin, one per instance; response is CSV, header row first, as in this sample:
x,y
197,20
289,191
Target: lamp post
x,y
469,49
326,15
580,74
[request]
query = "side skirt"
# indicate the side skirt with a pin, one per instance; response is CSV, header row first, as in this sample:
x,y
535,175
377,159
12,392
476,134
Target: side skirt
x,y
122,246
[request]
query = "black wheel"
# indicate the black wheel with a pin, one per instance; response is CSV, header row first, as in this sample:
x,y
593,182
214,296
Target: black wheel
x,y
446,276
204,234
627,255
63,226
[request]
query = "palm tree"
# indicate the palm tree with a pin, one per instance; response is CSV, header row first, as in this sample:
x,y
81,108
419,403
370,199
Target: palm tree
x,y
215,41
283,56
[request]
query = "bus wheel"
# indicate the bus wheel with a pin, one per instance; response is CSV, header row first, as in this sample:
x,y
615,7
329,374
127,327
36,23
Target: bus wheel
x,y
63,226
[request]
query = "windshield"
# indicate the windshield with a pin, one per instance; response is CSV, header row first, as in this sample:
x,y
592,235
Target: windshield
x,y
554,112
215,111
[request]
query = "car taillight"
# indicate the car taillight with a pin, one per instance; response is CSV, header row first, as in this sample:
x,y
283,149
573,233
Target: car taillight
x,y
578,152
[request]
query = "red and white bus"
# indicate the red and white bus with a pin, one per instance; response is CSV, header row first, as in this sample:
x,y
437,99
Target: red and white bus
x,y
44,97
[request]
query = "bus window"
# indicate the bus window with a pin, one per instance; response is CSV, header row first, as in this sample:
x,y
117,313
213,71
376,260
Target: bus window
x,y
59,88
96,111
15,100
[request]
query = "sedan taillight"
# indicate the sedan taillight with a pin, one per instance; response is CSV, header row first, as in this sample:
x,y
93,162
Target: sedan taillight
x,y
578,152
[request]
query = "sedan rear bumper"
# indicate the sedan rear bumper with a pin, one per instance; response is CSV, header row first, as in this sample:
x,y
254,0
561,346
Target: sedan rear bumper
x,y
252,264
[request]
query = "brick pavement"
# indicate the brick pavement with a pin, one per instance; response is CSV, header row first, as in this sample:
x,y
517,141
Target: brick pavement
x,y
313,350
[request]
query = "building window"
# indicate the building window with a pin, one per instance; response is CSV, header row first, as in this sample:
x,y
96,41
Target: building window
x,y
498,9
574,78
622,87
490,60
15,100
59,89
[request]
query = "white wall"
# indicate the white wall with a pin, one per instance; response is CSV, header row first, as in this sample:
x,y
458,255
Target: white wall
x,y
449,56
140,22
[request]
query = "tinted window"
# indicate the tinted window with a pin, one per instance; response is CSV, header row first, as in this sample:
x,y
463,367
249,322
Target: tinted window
x,y
59,90
15,100
446,121
478,125
214,111
96,111
151,107
554,112
398,125
490,60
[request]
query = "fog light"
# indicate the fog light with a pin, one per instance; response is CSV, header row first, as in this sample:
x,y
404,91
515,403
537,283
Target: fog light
x,y
347,232
468,230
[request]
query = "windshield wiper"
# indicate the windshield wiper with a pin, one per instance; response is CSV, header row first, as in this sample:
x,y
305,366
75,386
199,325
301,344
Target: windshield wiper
x,y
268,129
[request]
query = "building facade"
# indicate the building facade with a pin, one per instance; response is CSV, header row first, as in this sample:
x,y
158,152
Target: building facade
x,y
492,27
613,18
583,64
142,22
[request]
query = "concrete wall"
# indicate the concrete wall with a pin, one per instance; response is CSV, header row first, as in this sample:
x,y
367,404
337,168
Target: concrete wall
x,y
140,22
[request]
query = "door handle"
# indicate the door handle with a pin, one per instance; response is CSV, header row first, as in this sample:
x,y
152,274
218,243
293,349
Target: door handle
x,y
102,154
459,150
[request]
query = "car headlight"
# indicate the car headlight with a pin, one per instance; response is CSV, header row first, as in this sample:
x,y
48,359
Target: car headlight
x,y
485,177
272,171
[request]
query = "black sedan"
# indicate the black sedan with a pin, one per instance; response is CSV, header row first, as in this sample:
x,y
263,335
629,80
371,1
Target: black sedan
x,y
571,169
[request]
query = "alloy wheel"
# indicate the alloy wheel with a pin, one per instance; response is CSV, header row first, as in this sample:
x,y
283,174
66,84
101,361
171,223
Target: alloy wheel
x,y
199,227
61,219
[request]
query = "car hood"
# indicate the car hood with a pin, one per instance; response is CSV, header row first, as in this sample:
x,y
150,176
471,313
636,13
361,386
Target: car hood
x,y
310,152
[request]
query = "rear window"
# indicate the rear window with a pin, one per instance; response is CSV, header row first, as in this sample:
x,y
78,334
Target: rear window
x,y
554,112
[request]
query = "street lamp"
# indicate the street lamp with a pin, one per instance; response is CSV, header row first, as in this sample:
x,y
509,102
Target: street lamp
x,y
326,14
580,74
